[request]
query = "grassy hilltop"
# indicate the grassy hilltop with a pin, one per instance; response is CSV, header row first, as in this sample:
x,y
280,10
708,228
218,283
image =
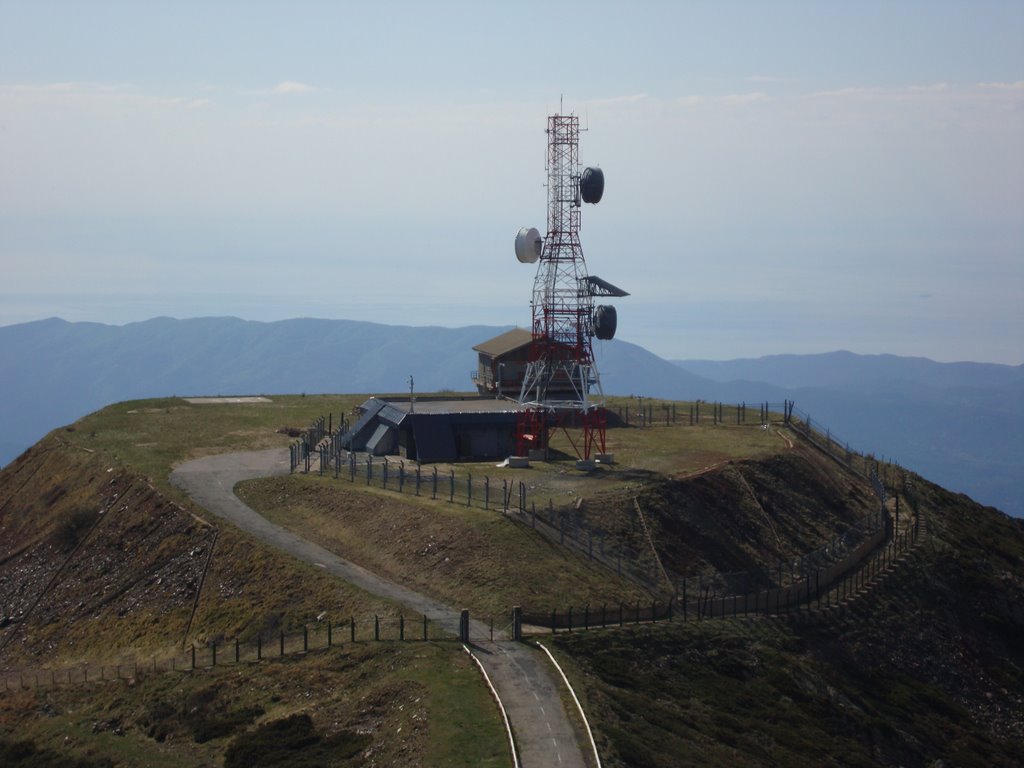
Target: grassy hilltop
x,y
102,561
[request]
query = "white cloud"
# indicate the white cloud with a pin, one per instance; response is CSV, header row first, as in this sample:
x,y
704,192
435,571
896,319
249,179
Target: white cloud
x,y
630,99
94,93
742,99
74,88
930,91
1015,86
291,86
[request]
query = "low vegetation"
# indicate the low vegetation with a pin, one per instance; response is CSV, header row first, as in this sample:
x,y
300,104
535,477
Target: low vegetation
x,y
101,560
366,704
927,670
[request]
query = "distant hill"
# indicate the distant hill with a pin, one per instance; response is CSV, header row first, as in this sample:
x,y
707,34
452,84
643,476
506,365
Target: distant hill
x,y
848,371
960,424
66,370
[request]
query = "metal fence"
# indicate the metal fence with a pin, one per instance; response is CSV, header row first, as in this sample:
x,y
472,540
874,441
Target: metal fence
x,y
820,588
264,646
321,451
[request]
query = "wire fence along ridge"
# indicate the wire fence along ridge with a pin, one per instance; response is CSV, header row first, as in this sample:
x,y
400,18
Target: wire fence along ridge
x,y
320,450
263,647
823,589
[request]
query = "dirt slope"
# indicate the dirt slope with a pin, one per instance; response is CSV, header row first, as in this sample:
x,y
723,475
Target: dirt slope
x,y
97,565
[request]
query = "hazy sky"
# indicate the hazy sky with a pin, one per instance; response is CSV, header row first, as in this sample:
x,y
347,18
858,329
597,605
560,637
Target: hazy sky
x,y
781,177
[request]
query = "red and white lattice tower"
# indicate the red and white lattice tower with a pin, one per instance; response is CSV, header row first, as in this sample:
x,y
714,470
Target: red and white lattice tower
x,y
561,386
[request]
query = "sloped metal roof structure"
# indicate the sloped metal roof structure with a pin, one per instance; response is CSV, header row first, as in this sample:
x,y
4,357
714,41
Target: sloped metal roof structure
x,y
505,343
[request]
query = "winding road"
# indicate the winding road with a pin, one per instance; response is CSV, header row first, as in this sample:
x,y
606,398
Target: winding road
x,y
543,733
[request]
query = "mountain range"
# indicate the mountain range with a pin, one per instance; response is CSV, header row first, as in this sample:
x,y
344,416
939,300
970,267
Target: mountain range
x,y
959,424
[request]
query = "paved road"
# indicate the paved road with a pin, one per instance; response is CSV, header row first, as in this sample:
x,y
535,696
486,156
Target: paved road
x,y
522,677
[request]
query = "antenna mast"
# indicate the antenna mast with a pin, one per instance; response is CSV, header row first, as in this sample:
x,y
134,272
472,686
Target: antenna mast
x,y
561,375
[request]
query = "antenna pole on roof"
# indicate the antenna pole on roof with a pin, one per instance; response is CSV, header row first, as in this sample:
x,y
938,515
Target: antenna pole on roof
x,y
412,395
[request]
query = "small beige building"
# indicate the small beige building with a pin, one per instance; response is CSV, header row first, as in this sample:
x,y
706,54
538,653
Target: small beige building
x,y
501,363
501,366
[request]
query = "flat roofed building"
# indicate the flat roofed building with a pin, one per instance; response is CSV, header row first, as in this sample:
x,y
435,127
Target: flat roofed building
x,y
435,429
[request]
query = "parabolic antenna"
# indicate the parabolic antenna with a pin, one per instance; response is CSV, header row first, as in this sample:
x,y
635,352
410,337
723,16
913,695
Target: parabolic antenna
x,y
592,185
605,321
528,245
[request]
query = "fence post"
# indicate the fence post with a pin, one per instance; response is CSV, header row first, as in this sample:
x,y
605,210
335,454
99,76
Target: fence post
x,y
451,486
433,493
376,627
259,647
236,650
464,626
213,655
517,623
282,644
401,626
305,639
424,626
401,476
329,637
417,478
353,627
554,618
193,659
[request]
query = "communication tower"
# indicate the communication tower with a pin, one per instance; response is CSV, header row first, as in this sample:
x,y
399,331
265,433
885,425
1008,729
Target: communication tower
x,y
561,376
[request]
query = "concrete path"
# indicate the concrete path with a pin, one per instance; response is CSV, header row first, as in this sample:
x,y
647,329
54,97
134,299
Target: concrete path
x,y
519,673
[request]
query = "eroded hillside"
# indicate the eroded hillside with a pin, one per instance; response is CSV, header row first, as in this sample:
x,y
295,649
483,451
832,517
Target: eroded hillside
x,y
742,515
924,667
97,565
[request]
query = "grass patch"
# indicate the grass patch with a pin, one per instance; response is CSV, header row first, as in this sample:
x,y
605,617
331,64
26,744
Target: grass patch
x,y
394,703
293,741
152,436
465,556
